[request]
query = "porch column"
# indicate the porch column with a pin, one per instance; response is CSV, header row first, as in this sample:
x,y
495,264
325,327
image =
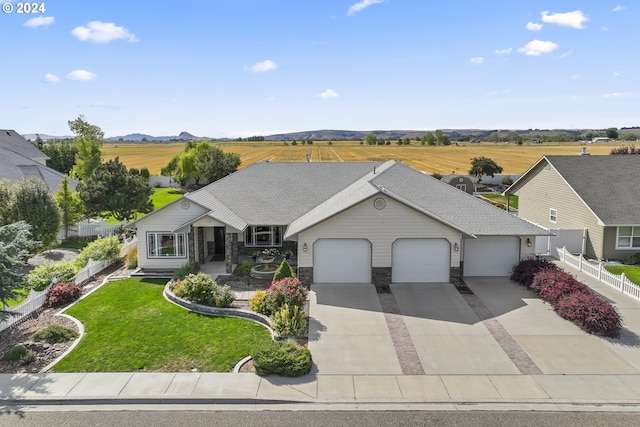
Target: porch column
x,y
192,246
201,259
234,250
228,252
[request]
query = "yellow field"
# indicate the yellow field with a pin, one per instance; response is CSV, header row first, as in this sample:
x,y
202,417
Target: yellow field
x,y
514,159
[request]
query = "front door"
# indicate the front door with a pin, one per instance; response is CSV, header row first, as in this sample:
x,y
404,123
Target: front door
x,y
218,238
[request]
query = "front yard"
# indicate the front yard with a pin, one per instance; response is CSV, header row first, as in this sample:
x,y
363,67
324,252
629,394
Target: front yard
x,y
131,327
631,271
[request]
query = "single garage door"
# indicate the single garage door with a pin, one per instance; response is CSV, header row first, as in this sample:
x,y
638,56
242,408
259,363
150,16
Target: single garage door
x,y
420,260
342,261
491,255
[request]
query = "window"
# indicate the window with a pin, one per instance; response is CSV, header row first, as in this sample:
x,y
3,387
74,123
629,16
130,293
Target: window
x,y
263,235
553,215
462,187
628,237
172,245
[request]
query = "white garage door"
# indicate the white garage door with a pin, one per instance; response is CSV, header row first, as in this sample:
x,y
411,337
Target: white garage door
x,y
420,260
342,261
491,255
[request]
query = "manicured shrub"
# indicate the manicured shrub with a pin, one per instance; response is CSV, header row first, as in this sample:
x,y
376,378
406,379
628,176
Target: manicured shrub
x,y
281,358
552,285
591,313
42,276
632,259
16,352
131,260
29,357
283,271
524,271
244,269
285,291
289,320
257,302
63,293
186,269
196,288
106,248
54,334
222,296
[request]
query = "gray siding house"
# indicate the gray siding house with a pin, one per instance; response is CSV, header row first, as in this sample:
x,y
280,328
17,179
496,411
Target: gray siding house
x,y
373,222
598,193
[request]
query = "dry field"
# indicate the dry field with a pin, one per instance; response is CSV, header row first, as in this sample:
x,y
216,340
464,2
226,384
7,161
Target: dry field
x,y
514,159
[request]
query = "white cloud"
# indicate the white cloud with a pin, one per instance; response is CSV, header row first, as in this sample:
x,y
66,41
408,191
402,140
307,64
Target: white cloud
x,y
573,19
40,21
357,7
82,75
477,60
51,78
619,8
534,26
538,47
506,51
102,32
328,94
616,95
262,67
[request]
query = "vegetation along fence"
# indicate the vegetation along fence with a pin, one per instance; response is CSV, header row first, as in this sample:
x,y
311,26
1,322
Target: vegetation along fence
x,y
617,281
36,300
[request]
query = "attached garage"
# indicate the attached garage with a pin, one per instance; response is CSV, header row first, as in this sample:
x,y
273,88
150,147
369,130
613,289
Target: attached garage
x,y
420,260
342,261
491,255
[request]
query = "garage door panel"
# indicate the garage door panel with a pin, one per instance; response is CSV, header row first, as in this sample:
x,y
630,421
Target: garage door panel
x,y
491,255
342,261
420,260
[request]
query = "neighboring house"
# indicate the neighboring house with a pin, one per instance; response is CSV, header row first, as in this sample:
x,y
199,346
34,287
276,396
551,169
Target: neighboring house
x,y
346,222
461,182
598,193
20,159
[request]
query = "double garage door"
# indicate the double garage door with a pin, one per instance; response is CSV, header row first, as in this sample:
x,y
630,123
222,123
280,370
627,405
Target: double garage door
x,y
349,261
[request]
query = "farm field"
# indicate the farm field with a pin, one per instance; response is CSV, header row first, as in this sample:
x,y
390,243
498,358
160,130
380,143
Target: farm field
x,y
514,159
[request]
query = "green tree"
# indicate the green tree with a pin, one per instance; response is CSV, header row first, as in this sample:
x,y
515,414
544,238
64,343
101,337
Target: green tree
x,y
34,204
62,155
612,133
70,205
481,166
112,189
202,162
371,139
6,202
441,138
88,141
16,246
428,139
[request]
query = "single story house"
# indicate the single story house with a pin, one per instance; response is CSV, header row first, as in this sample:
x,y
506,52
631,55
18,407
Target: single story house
x,y
350,222
600,194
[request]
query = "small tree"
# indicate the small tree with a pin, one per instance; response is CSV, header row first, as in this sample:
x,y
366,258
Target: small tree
x,y
113,190
62,155
441,138
88,141
34,204
612,133
70,205
371,139
428,139
481,166
16,246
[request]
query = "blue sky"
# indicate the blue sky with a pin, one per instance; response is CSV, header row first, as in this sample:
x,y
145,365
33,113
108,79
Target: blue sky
x,y
228,68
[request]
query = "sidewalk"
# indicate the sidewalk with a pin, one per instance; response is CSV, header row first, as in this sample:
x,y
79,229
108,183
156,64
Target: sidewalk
x,y
619,392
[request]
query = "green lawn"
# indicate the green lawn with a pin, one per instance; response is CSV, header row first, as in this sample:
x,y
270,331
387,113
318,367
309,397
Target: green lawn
x,y
23,293
631,271
131,327
513,200
159,198
74,244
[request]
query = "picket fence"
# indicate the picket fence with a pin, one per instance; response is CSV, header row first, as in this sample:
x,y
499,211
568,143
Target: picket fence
x,y
597,271
89,230
36,299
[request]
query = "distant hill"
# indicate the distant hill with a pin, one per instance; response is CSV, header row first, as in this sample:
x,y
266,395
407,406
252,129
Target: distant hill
x,y
44,137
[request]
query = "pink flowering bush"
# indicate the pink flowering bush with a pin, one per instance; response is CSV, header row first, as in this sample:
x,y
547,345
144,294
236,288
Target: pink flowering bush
x,y
285,291
590,313
63,293
551,285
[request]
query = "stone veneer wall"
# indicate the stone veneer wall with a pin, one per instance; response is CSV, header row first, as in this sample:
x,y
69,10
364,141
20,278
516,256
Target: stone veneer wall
x,y
244,251
201,259
381,276
305,274
191,247
455,275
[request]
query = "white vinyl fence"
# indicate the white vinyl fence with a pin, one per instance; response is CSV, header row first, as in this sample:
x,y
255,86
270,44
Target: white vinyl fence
x,y
597,271
36,300
86,230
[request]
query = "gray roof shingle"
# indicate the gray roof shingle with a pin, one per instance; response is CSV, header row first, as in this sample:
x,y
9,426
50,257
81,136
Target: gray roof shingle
x,y
14,167
13,141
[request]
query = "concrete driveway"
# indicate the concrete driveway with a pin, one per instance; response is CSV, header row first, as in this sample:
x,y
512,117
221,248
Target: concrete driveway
x,y
503,329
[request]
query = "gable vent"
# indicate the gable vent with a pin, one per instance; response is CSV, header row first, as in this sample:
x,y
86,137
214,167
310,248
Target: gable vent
x,y
379,203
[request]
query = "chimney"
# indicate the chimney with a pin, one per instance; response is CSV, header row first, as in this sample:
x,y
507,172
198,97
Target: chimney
x,y
584,152
308,157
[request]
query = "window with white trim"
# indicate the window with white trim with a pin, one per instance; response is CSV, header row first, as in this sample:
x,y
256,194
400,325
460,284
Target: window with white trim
x,y
628,237
553,215
166,245
263,235
462,187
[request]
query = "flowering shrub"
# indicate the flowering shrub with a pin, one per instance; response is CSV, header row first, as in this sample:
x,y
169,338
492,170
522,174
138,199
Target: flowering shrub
x,y
289,320
551,285
202,289
591,313
285,291
63,293
524,271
